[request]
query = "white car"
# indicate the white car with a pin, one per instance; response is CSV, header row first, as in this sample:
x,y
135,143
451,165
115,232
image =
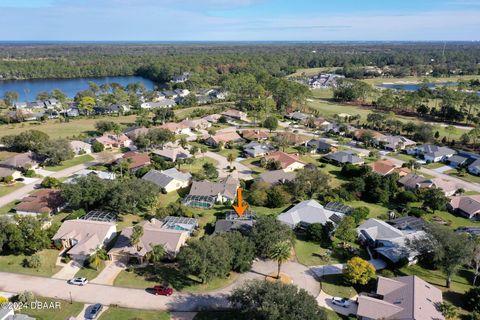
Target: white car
x,y
78,281
342,302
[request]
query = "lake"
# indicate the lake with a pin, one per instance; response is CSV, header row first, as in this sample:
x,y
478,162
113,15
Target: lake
x,y
28,89
415,86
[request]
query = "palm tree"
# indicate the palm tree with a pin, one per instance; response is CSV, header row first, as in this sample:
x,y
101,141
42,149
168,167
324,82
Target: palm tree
x,y
96,261
137,234
230,158
281,253
156,254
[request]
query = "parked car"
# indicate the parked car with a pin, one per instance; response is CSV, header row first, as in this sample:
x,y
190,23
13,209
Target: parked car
x,y
78,281
162,290
94,311
342,302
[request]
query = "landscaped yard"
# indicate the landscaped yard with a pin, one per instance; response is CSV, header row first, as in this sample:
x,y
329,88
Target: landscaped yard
x,y
434,165
335,285
254,165
452,220
65,311
70,163
466,177
115,313
375,209
312,254
197,165
127,220
8,188
149,276
90,272
8,207
48,257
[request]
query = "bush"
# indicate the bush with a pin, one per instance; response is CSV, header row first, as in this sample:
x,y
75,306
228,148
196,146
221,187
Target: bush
x,y
29,173
3,300
360,213
472,299
50,182
33,262
25,297
417,212
97,147
387,273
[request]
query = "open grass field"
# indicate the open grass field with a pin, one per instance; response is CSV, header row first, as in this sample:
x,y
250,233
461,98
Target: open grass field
x,y
412,79
57,129
48,257
115,313
70,163
8,188
149,276
310,71
65,311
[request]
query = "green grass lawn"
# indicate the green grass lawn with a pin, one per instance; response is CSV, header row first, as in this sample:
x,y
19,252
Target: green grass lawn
x,y
48,257
65,311
418,79
8,188
197,165
334,172
127,220
434,165
8,207
402,156
90,272
150,276
335,285
226,152
452,221
254,165
375,209
312,254
70,163
56,129
264,211
115,313
467,177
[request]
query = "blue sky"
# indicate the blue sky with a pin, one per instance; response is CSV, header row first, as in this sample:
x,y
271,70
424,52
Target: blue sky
x,y
239,20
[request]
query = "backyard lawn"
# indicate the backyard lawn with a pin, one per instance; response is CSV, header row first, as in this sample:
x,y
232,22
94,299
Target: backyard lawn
x,y
312,254
375,209
127,220
65,311
149,276
8,188
451,220
115,313
48,257
70,163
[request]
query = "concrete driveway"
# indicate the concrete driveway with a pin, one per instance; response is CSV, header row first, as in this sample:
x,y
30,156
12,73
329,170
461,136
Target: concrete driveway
x,y
87,308
109,273
325,300
242,171
68,270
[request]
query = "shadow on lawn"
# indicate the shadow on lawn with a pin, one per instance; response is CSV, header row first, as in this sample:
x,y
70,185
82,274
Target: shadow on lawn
x,y
165,275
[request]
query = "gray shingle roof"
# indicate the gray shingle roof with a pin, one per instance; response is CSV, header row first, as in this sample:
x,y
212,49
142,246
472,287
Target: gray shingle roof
x,y
163,178
344,157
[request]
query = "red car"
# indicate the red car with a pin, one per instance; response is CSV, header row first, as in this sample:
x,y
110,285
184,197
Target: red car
x,y
163,291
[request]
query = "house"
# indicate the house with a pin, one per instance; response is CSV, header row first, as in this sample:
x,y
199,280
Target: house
x,y
181,78
466,206
162,103
384,167
43,201
308,212
176,128
256,149
407,223
343,157
431,152
153,234
52,104
276,177
474,167
169,180
111,141
457,161
288,162
319,146
212,118
7,312
363,134
406,298
394,143
14,166
80,147
235,114
173,153
298,116
136,160
84,237
473,231
321,123
135,132
212,192
196,124
387,241
224,137
290,139
104,175
255,134
413,182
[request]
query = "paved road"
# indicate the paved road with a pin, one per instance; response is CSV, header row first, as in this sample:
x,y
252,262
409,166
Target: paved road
x,y
242,171
22,192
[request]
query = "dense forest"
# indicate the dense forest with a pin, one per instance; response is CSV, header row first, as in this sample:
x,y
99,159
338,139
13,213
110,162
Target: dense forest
x,y
160,62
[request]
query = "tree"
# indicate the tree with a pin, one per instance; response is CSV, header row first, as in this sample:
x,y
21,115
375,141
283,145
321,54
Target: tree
x,y
261,300
358,271
33,262
50,182
360,214
346,229
243,250
95,260
57,151
447,249
321,233
163,115
476,258
267,232
277,197
106,126
472,299
210,170
448,311
434,199
86,104
87,192
207,258
351,90
30,140
10,97
97,147
156,254
132,196
230,158
137,234
281,253
271,123
310,183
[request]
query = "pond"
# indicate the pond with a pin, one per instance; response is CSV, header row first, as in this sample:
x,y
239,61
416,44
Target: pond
x,y
415,86
28,89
